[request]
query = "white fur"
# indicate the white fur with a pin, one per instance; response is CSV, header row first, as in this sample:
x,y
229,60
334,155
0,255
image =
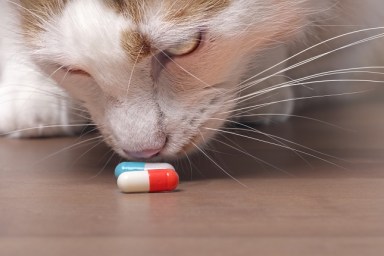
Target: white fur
x,y
136,112
32,105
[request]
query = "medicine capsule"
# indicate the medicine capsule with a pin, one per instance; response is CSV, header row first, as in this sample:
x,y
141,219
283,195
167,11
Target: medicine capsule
x,y
148,181
138,166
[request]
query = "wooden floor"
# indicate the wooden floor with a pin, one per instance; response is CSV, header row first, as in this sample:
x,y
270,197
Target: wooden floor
x,y
61,199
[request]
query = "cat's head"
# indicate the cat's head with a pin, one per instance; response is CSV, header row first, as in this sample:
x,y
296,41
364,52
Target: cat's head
x,y
155,74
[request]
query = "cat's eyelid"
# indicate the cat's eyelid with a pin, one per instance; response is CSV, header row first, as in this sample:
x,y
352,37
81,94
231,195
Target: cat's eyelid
x,y
75,70
186,47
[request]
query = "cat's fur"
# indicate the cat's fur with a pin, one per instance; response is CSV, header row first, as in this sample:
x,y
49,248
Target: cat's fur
x,y
143,101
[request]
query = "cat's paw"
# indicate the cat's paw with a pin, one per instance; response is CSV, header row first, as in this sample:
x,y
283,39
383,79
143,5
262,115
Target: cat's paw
x,y
27,112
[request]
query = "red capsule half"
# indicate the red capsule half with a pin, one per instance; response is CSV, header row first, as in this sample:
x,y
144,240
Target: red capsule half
x,y
163,180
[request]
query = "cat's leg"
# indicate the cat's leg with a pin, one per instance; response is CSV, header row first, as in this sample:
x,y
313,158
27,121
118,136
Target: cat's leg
x,y
32,105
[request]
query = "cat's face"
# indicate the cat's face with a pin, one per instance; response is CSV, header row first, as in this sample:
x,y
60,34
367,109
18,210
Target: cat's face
x,y
154,74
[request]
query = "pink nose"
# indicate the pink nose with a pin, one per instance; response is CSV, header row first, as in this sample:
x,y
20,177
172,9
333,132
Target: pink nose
x,y
145,154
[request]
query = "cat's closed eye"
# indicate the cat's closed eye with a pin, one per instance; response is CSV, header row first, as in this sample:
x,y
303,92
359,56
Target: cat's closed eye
x,y
75,71
186,47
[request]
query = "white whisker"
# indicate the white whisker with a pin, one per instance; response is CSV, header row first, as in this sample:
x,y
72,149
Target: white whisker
x,y
254,107
68,148
221,168
44,127
278,145
317,56
295,116
254,157
299,82
104,166
277,138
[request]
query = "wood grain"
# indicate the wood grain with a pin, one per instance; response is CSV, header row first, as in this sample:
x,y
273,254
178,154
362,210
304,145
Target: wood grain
x,y
68,203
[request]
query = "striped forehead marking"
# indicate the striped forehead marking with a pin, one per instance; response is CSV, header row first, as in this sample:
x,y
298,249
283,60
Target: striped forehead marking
x,y
38,11
138,46
175,9
135,44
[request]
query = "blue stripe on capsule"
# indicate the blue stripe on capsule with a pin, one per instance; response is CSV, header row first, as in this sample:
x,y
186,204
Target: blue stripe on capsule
x,y
128,167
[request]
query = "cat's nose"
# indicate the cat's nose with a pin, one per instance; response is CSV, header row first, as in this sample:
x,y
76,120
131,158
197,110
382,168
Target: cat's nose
x,y
145,154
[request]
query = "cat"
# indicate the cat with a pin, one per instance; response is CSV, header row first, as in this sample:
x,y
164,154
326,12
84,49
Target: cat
x,y
159,78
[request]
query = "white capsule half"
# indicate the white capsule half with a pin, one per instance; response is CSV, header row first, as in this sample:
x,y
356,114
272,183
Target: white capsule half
x,y
134,182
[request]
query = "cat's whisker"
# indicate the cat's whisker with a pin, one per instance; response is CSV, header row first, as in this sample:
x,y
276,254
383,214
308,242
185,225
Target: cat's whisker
x,y
293,116
213,150
42,127
252,156
202,136
317,56
190,163
87,151
86,132
133,70
34,89
217,165
299,81
76,112
278,145
182,68
295,82
55,71
258,106
275,138
104,166
9,89
81,143
64,77
248,129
